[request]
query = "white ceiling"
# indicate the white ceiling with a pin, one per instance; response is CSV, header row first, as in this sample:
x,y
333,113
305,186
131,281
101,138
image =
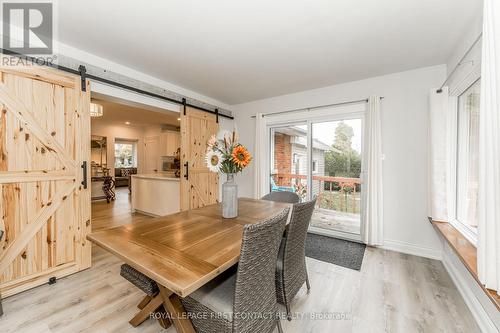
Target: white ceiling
x,y
118,114
239,51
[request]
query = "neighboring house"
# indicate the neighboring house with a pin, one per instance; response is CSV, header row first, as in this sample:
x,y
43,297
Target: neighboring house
x,y
290,156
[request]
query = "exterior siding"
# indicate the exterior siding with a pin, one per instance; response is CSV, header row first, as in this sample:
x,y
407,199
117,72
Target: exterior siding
x,y
284,151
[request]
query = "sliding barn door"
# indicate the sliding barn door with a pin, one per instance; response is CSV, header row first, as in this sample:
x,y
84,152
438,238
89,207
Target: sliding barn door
x,y
199,186
44,207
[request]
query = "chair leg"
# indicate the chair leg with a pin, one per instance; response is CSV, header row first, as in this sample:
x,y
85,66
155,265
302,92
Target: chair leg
x,y
280,329
144,314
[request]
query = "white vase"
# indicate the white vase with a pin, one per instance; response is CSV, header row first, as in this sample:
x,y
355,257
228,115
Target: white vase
x,y
229,198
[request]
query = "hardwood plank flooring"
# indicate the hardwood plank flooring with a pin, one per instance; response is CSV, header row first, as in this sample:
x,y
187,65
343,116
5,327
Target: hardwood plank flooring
x,y
107,215
393,292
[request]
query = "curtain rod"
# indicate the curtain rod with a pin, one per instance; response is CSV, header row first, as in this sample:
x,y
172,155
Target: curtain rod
x,y
440,90
82,72
365,100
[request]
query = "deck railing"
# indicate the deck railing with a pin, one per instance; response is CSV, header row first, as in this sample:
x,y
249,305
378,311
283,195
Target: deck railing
x,y
337,193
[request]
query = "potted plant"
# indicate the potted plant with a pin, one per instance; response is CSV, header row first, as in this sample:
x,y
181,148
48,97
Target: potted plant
x,y
226,155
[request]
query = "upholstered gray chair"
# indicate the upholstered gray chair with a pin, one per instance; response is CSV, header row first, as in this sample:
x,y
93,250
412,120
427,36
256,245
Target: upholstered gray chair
x,y
291,270
244,298
287,197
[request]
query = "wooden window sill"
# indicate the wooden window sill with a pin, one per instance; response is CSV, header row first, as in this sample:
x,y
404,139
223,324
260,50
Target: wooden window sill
x,y
466,252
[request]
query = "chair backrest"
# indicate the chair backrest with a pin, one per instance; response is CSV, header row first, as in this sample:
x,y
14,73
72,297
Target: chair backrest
x,y
288,197
255,291
295,242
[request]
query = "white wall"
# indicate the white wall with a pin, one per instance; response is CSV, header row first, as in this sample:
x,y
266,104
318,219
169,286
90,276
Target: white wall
x,y
113,132
472,61
473,30
404,125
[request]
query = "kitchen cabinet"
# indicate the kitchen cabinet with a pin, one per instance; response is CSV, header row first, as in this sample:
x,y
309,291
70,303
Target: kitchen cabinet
x,y
170,141
152,151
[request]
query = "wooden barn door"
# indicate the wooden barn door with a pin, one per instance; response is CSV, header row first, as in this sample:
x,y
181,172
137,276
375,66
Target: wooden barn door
x,y
44,207
199,186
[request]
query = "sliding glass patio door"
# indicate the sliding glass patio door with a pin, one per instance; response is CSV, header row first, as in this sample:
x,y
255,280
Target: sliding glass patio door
x,y
336,176
322,159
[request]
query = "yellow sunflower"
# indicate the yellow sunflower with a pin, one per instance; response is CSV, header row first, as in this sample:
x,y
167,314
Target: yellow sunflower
x,y
240,156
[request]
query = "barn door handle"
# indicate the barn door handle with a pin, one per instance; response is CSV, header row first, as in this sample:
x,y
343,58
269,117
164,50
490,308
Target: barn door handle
x,y
186,175
84,170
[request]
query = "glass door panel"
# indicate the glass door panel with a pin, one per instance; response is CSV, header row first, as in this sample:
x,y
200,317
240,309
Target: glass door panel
x,y
289,161
336,172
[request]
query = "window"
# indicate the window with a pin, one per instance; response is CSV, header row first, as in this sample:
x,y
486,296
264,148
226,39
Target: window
x,y
125,154
467,157
315,166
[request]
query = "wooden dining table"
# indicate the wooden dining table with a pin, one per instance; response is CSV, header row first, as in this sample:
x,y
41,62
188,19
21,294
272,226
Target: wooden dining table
x,y
184,251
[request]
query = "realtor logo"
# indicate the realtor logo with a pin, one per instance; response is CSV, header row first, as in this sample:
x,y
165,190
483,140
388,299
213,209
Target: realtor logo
x,y
27,28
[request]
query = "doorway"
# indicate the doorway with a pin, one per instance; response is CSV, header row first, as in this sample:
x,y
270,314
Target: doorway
x,y
126,143
321,156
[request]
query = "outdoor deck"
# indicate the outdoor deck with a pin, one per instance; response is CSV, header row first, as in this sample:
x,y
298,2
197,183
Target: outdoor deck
x,y
335,220
339,200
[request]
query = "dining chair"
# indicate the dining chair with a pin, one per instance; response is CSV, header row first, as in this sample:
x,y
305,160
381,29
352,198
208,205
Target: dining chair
x,y
291,269
243,299
287,197
151,303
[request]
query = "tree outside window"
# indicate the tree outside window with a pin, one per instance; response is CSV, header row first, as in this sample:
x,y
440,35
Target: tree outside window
x,y
125,154
343,160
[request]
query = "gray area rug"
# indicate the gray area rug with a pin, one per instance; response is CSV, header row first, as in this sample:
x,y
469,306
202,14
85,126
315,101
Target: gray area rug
x,y
335,251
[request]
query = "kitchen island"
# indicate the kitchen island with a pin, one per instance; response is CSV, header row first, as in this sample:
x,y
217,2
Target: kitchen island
x,y
155,194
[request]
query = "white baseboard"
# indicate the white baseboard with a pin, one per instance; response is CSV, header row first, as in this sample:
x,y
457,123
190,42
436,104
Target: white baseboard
x,y
412,249
466,285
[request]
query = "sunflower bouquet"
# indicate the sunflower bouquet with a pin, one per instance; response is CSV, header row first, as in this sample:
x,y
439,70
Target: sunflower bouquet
x,y
225,154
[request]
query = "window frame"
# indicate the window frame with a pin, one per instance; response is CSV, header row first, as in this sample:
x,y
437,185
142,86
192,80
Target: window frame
x,y
134,152
463,148
455,91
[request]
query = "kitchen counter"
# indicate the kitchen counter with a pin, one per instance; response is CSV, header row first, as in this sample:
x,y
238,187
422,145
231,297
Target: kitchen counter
x,y
161,176
155,194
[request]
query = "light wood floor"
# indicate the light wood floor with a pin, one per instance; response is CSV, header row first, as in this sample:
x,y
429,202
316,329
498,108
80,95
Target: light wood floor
x,y
115,213
393,292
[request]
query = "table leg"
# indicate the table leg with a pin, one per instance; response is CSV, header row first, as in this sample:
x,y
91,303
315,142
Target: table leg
x,y
144,302
172,304
146,311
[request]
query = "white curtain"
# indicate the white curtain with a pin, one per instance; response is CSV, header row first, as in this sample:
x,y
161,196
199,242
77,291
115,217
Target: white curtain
x,y
438,154
259,157
489,150
373,203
